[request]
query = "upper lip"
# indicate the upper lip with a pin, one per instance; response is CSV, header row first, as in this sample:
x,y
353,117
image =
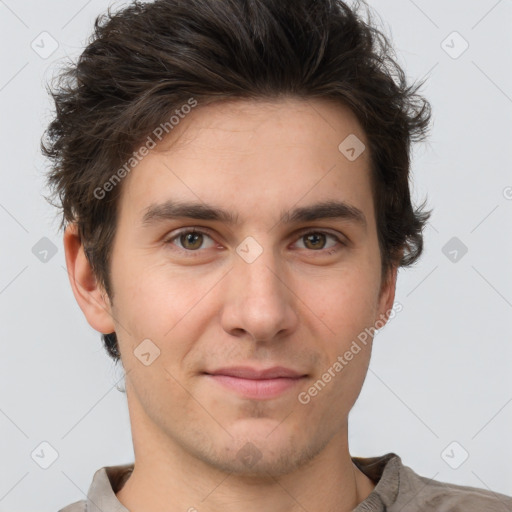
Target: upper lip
x,y
246,372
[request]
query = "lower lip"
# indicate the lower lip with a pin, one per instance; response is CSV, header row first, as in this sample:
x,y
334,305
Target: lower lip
x,y
257,389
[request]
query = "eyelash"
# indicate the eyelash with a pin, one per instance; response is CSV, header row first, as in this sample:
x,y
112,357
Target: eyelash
x,y
301,234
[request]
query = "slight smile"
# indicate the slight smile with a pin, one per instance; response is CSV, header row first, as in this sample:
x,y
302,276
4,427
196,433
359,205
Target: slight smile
x,y
257,384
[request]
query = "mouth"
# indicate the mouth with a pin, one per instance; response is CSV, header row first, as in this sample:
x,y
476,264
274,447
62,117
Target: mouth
x,y
257,384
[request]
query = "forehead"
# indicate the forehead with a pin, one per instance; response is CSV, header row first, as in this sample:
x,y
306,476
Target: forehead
x,y
254,157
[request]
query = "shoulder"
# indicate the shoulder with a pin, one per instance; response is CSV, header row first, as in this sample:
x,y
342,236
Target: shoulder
x,y
105,483
427,494
78,506
399,489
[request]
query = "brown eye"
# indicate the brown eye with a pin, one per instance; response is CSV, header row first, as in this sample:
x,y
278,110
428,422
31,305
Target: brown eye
x,y
191,240
322,242
314,240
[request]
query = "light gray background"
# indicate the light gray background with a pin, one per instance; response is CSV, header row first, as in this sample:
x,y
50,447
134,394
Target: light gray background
x,y
441,369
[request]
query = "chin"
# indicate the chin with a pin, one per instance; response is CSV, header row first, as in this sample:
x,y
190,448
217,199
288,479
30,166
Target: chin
x,y
263,448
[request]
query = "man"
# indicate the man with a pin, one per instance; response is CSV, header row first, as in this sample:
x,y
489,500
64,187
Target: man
x,y
234,183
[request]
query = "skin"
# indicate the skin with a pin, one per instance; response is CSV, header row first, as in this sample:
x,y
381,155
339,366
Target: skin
x,y
298,305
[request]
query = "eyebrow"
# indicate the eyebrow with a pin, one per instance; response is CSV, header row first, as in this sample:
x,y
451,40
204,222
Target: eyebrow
x,y
170,210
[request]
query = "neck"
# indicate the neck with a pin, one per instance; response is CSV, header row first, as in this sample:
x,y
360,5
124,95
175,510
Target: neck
x,y
166,477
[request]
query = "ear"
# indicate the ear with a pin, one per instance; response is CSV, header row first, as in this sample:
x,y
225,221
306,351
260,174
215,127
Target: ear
x,y
91,297
387,295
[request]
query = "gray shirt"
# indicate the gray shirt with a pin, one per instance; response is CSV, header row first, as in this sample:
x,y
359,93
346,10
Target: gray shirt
x,y
398,488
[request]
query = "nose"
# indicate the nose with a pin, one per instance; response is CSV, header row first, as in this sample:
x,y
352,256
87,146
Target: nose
x,y
259,303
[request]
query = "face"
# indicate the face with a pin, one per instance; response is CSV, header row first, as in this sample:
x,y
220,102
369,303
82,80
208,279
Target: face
x,y
225,259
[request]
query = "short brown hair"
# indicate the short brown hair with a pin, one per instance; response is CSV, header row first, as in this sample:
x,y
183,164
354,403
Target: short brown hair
x,y
147,60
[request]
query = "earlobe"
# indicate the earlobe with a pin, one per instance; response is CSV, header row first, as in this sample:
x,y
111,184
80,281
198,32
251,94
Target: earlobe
x,y
387,295
89,294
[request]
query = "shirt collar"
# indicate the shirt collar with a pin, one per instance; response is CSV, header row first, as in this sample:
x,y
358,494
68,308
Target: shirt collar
x,y
105,483
385,470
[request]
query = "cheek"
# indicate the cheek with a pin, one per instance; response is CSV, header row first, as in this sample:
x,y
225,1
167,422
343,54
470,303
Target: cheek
x,y
347,307
159,303
345,300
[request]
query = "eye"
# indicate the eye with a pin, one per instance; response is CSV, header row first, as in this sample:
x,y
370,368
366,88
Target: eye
x,y
190,240
317,240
